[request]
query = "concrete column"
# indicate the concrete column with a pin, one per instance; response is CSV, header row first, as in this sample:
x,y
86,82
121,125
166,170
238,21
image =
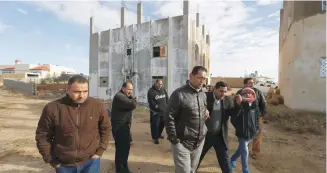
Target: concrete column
x,y
139,13
91,25
186,7
203,31
123,12
208,39
197,20
170,77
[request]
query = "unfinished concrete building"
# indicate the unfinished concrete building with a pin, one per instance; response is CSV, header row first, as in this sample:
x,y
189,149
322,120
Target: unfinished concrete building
x,y
302,55
143,52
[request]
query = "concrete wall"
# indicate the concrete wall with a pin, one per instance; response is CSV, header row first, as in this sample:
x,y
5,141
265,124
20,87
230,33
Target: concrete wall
x,y
12,76
109,60
232,82
302,46
18,85
23,68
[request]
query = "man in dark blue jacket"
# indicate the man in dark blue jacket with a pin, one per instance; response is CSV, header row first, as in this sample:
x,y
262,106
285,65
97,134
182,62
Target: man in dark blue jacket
x,y
157,99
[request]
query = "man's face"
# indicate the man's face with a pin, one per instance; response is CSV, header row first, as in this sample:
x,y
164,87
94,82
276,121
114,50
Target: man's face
x,y
198,80
159,84
128,90
210,88
220,92
78,92
248,95
250,83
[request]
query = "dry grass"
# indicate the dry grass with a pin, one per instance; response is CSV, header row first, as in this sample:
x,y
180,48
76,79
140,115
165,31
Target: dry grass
x,y
296,120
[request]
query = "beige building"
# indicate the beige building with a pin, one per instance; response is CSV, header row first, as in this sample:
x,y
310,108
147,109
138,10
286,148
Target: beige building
x,y
302,55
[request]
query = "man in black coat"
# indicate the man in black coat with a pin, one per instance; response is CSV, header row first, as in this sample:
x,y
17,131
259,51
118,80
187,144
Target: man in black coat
x,y
121,117
220,108
157,99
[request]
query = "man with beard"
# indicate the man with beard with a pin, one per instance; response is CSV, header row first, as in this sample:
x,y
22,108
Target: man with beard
x,y
157,99
73,132
123,105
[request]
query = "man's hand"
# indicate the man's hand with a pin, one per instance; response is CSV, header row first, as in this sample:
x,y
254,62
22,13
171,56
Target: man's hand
x,y
207,114
57,166
95,156
238,99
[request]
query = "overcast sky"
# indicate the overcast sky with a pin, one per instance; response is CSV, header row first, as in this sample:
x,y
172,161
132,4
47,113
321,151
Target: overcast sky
x,y
244,34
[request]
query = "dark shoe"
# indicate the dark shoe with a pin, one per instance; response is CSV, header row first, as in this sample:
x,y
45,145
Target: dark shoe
x,y
162,137
156,141
124,170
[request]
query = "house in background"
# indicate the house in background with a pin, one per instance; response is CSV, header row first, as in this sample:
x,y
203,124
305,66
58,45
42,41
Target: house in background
x,y
35,71
302,55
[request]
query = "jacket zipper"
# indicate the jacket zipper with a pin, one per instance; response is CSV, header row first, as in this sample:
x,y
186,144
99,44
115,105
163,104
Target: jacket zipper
x,y
199,109
77,122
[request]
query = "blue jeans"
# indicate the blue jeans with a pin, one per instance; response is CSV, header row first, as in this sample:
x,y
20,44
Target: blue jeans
x,y
242,151
91,166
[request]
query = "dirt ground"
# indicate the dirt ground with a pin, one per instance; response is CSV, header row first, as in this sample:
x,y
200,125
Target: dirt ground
x,y
282,152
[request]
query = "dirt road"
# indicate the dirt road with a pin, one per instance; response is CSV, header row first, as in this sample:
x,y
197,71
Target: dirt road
x,y
281,152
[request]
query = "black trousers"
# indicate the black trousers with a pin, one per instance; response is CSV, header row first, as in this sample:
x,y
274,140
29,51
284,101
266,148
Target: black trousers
x,y
157,124
217,142
122,137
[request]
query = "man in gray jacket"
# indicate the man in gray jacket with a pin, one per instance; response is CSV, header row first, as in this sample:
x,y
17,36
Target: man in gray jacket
x,y
184,120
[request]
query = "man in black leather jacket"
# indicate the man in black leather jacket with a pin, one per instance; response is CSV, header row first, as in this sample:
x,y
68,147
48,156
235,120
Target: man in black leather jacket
x,y
184,119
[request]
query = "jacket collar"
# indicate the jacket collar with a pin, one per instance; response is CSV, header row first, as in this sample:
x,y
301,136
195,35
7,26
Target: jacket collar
x,y
191,87
68,101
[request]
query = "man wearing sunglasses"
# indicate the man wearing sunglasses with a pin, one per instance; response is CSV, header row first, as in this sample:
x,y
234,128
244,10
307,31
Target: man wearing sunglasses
x,y
220,107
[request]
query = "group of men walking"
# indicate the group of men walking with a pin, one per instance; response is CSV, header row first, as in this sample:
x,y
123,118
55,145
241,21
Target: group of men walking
x,y
73,132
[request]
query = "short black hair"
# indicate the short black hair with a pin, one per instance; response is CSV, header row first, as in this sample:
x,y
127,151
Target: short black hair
x,y
125,84
197,69
77,78
220,84
245,81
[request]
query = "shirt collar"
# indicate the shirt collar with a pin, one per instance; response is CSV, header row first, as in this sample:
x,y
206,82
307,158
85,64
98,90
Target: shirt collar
x,y
214,96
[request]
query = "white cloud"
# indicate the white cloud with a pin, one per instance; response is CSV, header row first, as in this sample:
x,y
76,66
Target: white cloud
x,y
68,46
236,43
5,27
39,9
104,16
275,14
22,11
267,2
